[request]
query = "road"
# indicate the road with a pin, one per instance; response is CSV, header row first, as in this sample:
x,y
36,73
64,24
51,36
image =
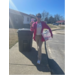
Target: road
x,y
56,53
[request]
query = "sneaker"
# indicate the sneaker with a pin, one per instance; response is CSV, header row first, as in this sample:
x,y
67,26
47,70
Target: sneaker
x,y
38,61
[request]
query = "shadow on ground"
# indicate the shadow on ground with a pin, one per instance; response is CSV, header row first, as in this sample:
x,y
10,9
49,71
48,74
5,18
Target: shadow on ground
x,y
32,55
54,67
47,65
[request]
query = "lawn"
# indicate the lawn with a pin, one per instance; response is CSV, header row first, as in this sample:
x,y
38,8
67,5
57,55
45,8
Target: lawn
x,y
62,26
13,38
56,27
52,26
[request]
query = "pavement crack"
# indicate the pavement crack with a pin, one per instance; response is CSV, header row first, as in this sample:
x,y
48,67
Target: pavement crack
x,y
29,64
22,64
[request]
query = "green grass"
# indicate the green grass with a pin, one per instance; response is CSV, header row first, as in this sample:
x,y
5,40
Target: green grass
x,y
55,26
52,26
62,27
13,37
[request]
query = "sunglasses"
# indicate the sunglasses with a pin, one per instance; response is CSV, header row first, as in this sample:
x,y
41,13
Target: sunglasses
x,y
38,16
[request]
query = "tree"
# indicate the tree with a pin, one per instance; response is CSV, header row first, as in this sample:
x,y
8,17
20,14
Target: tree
x,y
44,15
47,15
57,17
51,19
54,20
61,18
46,19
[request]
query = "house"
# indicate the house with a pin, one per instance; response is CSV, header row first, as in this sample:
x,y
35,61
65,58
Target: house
x,y
18,19
62,22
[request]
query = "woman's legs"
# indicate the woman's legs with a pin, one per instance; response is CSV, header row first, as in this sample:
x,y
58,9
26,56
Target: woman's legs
x,y
39,49
37,41
39,45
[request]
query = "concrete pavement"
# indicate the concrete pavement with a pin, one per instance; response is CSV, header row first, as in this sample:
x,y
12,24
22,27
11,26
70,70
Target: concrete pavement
x,y
59,31
25,62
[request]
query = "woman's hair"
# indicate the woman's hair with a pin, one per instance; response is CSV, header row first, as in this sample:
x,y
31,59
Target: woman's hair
x,y
38,15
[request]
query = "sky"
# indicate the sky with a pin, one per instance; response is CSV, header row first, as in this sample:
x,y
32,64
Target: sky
x,y
38,6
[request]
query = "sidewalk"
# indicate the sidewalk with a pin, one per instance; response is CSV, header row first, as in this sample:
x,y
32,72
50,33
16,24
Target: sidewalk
x,y
25,63
59,31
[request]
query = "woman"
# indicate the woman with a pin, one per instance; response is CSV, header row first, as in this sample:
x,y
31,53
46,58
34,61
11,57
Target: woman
x,y
37,27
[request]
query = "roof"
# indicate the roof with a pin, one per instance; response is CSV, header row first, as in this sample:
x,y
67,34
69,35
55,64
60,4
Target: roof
x,y
19,13
60,21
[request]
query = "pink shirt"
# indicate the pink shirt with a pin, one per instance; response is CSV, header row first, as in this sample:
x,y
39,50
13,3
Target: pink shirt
x,y
34,29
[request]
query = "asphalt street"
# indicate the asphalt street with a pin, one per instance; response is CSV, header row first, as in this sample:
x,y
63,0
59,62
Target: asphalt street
x,y
56,53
